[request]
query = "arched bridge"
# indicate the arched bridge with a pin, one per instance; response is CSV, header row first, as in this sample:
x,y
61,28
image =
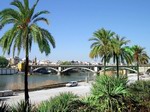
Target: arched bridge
x,y
92,68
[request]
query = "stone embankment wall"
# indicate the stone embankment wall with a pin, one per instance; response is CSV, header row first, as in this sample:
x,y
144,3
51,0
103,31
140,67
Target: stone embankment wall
x,y
7,71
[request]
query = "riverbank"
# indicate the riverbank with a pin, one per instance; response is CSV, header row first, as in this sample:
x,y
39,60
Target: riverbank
x,y
37,97
82,89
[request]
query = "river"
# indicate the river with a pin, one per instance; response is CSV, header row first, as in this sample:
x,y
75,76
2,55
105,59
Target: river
x,y
16,81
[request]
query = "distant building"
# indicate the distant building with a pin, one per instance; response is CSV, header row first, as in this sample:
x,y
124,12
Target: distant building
x,y
21,66
15,60
44,62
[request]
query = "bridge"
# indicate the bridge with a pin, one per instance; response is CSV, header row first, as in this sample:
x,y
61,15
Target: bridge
x,y
92,68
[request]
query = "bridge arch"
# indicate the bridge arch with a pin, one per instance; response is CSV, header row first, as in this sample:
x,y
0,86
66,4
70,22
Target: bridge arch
x,y
121,68
78,67
148,71
46,67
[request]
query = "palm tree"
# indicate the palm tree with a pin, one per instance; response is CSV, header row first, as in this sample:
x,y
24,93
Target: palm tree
x,y
24,32
101,45
140,57
119,51
109,92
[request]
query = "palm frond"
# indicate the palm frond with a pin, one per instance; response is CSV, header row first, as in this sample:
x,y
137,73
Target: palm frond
x,y
33,8
26,4
40,13
48,36
10,13
18,42
19,5
41,19
6,21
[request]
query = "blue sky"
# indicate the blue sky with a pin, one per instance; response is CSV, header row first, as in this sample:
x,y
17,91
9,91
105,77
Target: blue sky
x,y
72,23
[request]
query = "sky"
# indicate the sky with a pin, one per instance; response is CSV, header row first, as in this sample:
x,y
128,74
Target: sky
x,y
73,22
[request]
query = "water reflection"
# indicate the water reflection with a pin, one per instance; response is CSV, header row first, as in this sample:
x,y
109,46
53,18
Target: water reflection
x,y
17,81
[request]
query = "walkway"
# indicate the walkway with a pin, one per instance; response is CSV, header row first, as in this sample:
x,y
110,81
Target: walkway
x,y
38,96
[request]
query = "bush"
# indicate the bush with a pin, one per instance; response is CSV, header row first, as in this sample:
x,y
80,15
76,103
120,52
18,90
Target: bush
x,y
58,103
110,92
3,62
4,107
22,107
80,106
140,91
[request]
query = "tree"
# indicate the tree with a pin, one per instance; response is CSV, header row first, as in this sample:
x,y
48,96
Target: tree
x,y
119,51
3,61
140,57
24,32
101,45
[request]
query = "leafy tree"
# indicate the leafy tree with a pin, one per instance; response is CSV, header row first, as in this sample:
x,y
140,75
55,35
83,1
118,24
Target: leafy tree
x,y
24,31
65,63
101,45
3,61
140,57
119,51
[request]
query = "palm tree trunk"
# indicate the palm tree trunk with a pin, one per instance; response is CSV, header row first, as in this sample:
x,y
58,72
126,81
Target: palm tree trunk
x,y
104,65
117,62
26,74
138,77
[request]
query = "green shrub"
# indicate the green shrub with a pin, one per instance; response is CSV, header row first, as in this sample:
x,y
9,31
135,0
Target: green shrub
x,y
3,62
58,103
140,91
4,107
80,106
22,107
110,92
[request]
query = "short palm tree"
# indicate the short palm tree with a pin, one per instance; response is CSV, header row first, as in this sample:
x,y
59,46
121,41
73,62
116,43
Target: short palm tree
x,y
140,57
24,31
119,52
101,45
109,92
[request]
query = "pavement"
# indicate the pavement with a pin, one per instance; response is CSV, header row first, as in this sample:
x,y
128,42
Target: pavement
x,y
37,97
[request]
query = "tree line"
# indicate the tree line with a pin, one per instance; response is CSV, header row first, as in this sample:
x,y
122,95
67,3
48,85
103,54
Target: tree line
x,y
108,45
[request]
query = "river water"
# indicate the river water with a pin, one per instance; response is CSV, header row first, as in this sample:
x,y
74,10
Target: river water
x,y
16,81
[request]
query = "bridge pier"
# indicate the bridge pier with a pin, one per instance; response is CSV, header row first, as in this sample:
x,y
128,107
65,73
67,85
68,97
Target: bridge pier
x,y
95,69
59,70
95,73
126,72
58,73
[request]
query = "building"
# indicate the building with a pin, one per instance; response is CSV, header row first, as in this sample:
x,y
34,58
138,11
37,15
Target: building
x,y
14,61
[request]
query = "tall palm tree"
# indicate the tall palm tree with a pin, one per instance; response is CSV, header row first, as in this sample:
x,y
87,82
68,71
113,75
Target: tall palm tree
x,y
24,32
101,45
119,51
140,57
